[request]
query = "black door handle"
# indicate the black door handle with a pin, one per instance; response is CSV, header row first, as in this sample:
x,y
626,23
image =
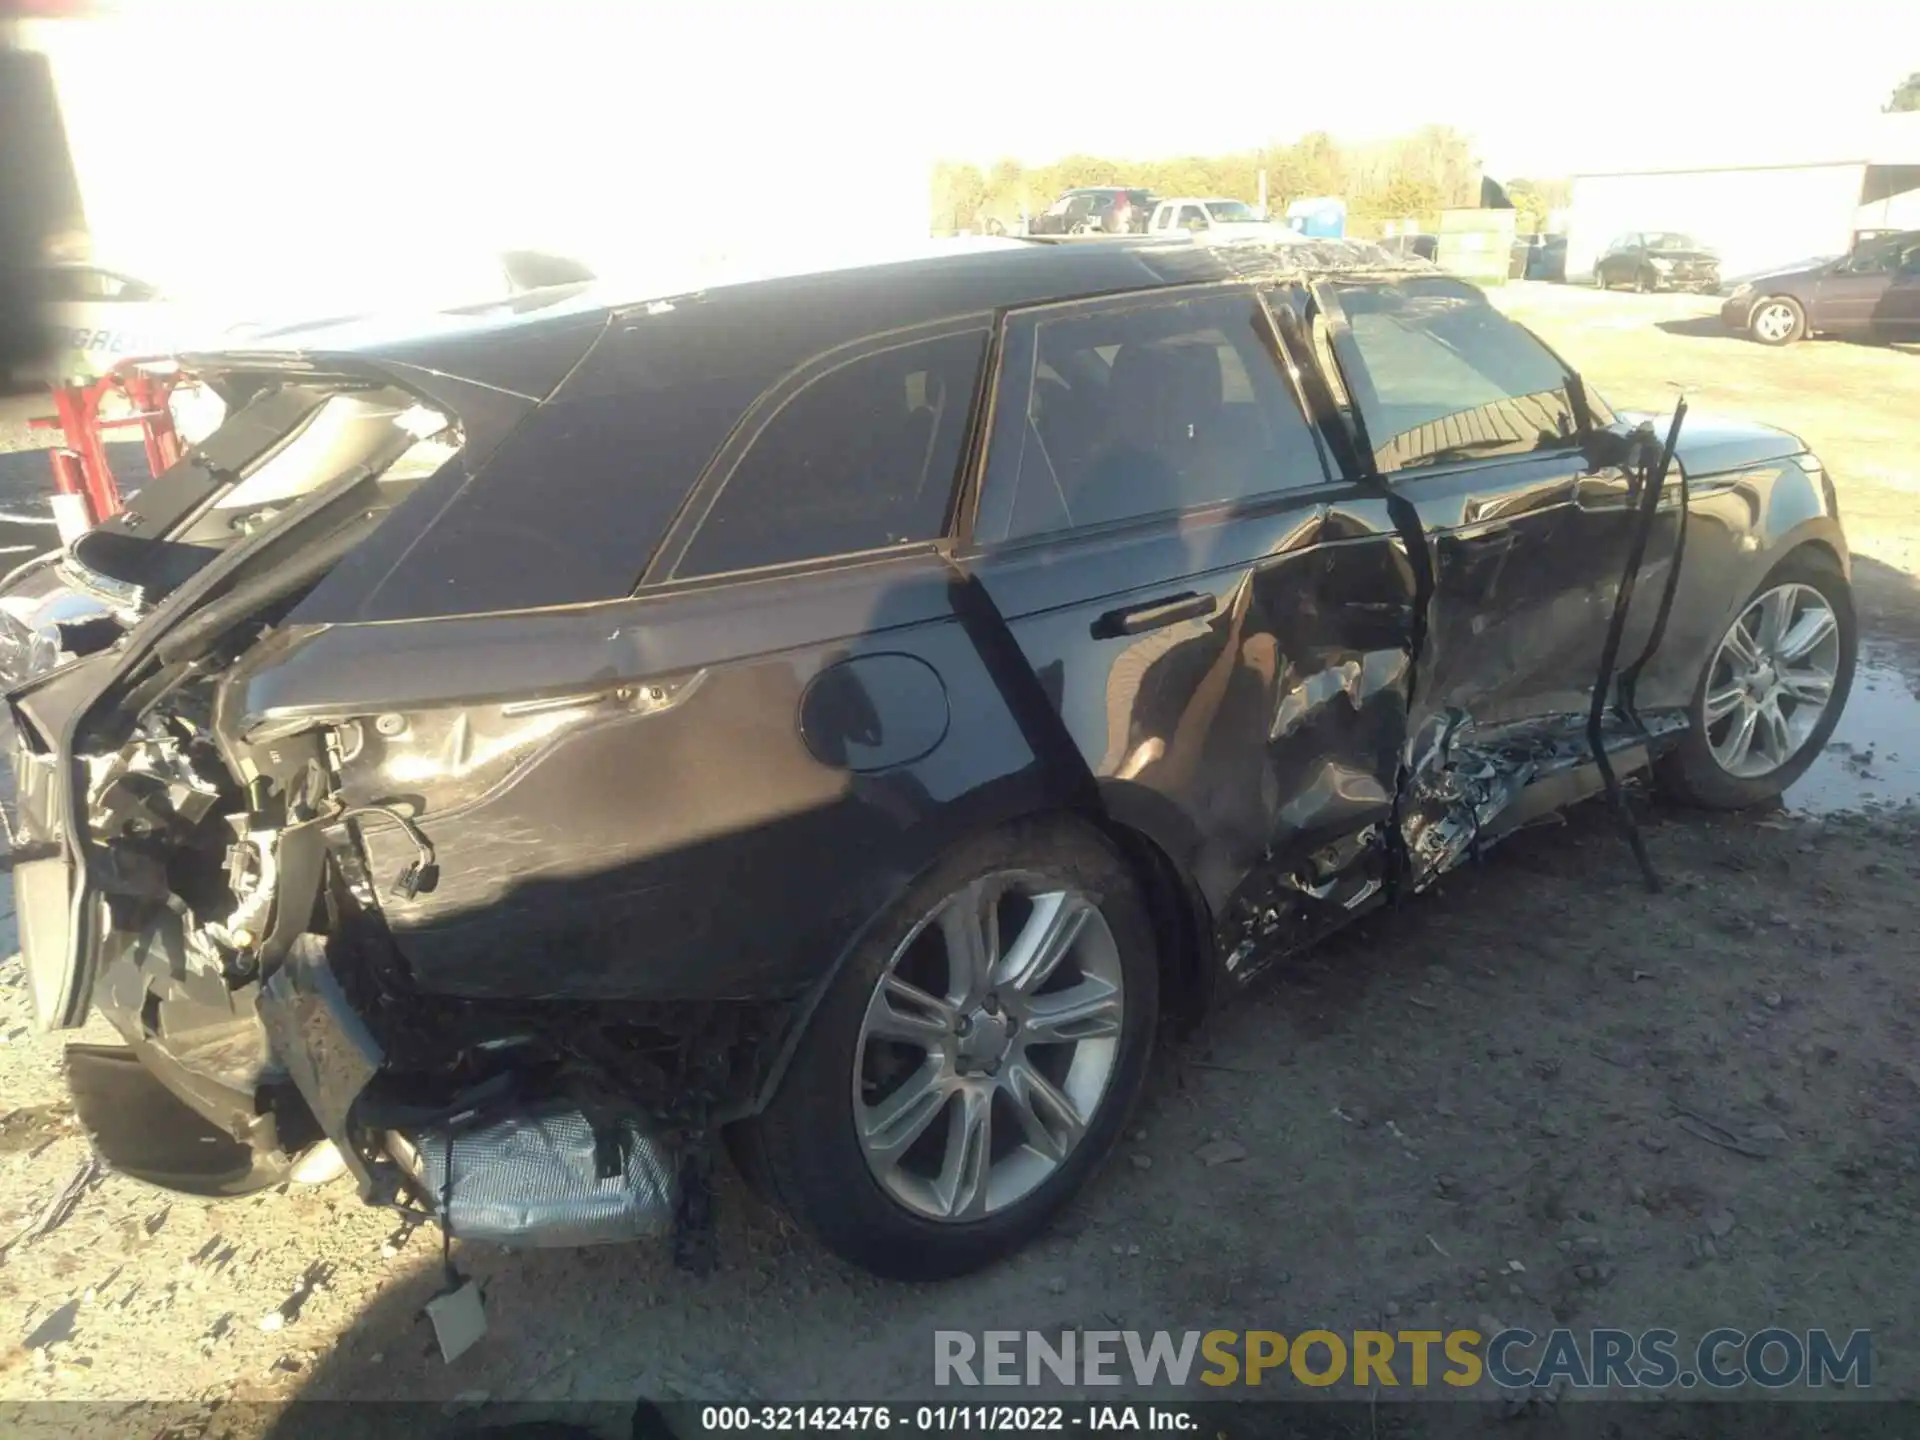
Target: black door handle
x,y
1137,619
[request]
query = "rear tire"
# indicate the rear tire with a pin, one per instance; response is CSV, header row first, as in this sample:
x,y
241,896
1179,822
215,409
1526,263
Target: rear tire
x,y
1777,320
927,1190
1698,771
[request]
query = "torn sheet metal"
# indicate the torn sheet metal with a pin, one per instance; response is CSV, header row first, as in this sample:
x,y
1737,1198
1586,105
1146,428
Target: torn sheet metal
x,y
1469,785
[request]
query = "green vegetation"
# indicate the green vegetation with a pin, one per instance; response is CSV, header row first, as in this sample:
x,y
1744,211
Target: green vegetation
x,y
1408,177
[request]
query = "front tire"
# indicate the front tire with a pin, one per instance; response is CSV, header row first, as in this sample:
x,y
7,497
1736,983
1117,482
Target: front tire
x,y
973,1061
1772,691
1777,320
1600,278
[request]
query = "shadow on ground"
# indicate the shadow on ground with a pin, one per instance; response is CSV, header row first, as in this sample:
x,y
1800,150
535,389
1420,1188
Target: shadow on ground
x,y
1887,600
1712,327
1700,327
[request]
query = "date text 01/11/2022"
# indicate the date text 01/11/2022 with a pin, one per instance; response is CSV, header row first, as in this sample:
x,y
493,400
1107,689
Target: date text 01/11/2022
x,y
943,1419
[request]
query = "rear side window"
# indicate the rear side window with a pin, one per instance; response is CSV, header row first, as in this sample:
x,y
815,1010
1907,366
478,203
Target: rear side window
x,y
861,458
1138,410
1442,376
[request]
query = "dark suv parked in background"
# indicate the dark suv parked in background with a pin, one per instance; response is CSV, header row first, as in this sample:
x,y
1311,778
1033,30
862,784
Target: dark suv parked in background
x,y
1116,210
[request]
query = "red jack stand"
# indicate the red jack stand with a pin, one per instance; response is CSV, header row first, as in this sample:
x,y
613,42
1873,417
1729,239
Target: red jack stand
x,y
85,492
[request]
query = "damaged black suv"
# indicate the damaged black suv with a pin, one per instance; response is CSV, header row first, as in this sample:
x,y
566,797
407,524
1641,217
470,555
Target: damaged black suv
x,y
838,717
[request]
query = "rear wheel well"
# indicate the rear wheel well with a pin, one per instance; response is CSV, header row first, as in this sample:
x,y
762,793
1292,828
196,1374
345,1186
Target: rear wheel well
x,y
1183,928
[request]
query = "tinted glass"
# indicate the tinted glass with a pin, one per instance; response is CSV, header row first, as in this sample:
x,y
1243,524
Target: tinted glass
x,y
861,458
1141,410
1443,376
1883,253
75,283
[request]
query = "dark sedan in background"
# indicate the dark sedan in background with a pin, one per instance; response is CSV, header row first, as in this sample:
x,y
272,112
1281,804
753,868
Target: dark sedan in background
x,y
1107,209
1872,294
840,716
1657,260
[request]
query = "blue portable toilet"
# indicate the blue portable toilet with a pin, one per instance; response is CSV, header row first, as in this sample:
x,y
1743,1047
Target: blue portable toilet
x,y
1322,217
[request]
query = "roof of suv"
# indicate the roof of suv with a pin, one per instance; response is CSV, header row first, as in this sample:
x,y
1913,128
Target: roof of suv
x,y
640,395
858,300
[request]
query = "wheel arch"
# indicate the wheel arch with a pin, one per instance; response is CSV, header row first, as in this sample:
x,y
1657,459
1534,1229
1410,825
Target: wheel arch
x,y
1182,924
1183,929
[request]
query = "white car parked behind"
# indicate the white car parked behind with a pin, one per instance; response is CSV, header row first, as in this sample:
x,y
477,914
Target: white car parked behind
x,y
1215,222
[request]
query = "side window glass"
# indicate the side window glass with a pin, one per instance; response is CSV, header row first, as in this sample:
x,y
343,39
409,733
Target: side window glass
x,y
861,458
1877,257
1138,410
1193,217
1443,376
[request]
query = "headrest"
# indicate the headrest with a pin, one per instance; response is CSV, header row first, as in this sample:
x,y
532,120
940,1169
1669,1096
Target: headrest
x,y
1165,392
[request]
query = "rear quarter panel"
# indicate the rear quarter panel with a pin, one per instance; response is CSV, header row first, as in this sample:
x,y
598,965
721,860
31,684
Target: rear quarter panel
x,y
693,796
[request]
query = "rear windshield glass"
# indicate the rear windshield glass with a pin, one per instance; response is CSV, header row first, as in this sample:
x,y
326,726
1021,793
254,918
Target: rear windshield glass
x,y
263,461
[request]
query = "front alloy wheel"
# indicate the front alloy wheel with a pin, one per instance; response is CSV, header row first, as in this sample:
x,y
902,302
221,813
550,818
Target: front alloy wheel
x,y
973,1058
1772,680
988,1045
1772,691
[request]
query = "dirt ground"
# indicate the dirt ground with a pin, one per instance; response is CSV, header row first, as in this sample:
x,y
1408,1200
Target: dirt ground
x,y
1523,1067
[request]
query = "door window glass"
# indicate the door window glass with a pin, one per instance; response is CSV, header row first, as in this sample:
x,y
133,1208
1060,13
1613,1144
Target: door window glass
x,y
1443,376
1141,409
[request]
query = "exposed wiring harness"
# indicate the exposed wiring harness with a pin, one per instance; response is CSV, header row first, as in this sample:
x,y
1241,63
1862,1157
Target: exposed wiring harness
x,y
424,873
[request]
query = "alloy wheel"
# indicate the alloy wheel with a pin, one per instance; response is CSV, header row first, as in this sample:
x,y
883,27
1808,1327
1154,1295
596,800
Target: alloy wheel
x,y
1773,321
1771,680
988,1046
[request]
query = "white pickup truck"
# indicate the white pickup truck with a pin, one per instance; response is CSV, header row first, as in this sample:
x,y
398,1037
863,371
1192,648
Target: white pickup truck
x,y
1215,221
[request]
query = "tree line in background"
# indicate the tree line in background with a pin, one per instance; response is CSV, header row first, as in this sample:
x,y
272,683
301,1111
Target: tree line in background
x,y
1407,177
1906,95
